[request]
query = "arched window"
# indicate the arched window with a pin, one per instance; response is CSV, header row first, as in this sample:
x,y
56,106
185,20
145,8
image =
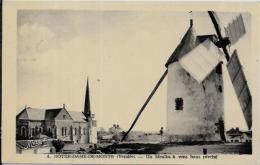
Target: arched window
x,y
65,131
40,129
75,130
33,131
179,104
23,132
36,130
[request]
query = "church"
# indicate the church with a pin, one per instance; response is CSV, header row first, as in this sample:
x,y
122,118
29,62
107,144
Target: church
x,y
58,123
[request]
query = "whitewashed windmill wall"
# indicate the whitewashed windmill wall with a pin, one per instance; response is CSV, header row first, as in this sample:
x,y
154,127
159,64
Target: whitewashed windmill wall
x,y
195,106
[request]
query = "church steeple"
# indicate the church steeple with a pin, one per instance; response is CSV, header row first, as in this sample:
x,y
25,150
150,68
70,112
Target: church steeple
x,y
87,111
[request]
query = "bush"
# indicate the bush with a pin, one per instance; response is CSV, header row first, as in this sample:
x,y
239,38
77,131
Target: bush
x,y
58,144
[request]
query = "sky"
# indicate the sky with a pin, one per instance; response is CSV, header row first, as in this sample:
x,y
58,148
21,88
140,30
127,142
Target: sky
x,y
121,53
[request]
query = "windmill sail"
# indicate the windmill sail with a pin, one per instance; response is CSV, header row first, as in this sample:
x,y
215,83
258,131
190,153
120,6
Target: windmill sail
x,y
235,29
202,60
241,88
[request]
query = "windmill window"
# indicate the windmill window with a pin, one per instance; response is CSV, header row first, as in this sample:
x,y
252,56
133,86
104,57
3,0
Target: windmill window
x,y
219,69
220,88
179,104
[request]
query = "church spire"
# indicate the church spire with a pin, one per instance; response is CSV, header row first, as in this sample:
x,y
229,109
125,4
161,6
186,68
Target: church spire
x,y
87,111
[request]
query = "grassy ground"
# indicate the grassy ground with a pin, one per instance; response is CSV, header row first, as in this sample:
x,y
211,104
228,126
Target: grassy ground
x,y
141,148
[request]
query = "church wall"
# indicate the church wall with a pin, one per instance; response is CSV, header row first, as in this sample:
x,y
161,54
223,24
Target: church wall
x,y
80,136
93,132
203,105
23,115
63,115
63,125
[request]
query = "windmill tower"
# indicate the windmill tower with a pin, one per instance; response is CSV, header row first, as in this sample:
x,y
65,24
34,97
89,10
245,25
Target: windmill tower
x,y
195,95
195,99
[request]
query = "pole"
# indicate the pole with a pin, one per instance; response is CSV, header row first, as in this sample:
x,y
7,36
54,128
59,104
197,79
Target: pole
x,y
221,39
145,104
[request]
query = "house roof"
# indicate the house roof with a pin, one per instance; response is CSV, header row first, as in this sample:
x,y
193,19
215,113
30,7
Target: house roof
x,y
189,41
234,131
77,116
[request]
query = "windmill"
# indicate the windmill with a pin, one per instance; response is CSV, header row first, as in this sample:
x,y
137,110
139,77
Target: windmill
x,y
195,100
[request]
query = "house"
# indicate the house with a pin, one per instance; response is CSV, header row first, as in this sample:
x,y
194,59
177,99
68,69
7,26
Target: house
x,y
235,135
115,129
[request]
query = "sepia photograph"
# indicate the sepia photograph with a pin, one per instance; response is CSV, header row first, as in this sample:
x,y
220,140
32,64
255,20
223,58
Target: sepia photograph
x,y
130,83
133,82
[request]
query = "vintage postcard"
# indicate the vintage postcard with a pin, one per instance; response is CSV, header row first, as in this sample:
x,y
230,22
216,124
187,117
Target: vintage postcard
x,y
130,82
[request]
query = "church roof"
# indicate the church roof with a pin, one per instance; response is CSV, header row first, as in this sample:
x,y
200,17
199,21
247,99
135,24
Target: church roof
x,y
77,116
48,114
52,113
189,41
36,114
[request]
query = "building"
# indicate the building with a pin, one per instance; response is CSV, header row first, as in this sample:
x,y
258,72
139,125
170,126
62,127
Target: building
x,y
70,126
115,129
237,136
195,100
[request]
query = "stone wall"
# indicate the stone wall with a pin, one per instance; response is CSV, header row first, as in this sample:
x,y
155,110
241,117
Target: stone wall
x,y
203,105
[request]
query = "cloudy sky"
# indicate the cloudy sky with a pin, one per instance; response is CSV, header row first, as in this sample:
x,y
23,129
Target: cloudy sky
x,y
122,53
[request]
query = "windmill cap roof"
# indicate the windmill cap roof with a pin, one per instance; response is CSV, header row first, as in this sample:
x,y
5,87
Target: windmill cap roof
x,y
189,41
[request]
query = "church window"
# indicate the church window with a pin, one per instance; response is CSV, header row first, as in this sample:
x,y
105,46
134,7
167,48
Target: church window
x,y
33,131
75,130
178,104
65,131
84,131
62,131
23,132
